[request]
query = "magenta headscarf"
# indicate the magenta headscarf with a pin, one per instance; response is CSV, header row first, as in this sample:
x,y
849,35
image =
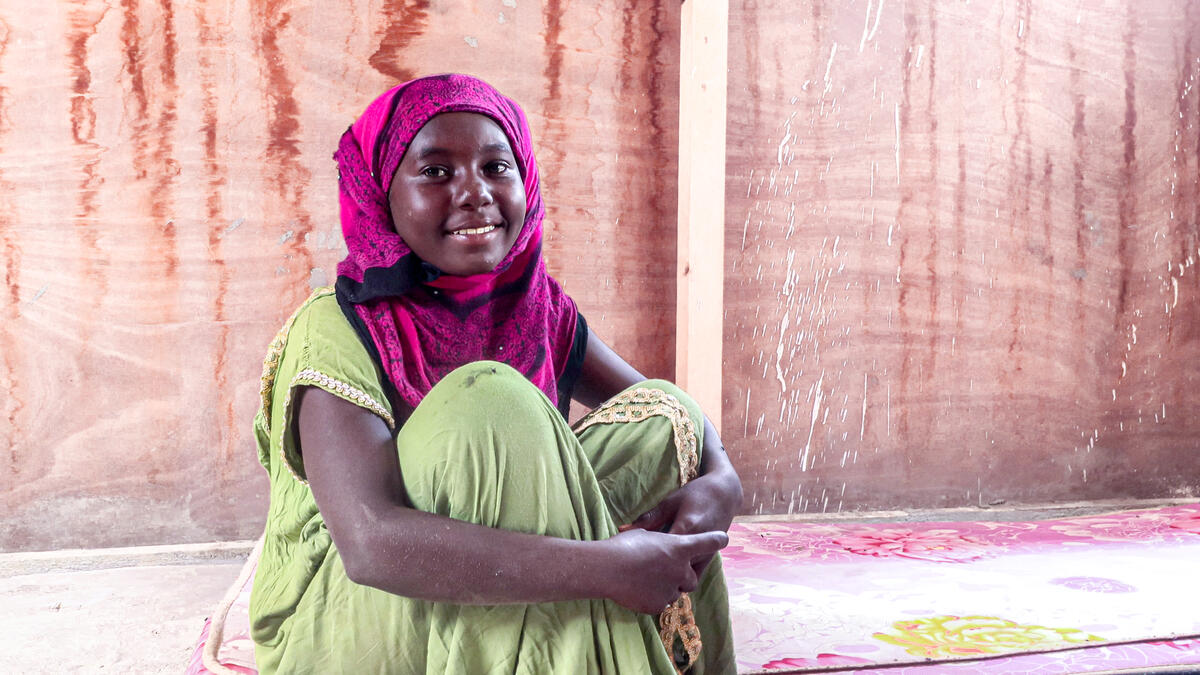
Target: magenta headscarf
x,y
423,324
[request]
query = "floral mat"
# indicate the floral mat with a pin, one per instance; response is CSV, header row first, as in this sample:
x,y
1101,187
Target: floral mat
x,y
1079,595
816,596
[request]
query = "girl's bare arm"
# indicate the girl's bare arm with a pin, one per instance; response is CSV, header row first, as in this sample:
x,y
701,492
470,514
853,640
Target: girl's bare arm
x,y
706,503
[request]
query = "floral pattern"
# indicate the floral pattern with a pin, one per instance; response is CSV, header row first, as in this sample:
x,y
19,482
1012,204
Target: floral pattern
x,y
1180,645
771,542
1138,526
931,545
1094,584
804,594
1188,523
820,661
1106,658
951,636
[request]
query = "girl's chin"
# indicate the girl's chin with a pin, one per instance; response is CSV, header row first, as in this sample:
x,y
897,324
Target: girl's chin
x,y
474,262
474,266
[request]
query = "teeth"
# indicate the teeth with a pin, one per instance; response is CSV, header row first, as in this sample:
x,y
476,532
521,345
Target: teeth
x,y
476,230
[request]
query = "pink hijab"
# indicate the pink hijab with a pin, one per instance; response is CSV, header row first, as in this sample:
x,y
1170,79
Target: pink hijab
x,y
423,324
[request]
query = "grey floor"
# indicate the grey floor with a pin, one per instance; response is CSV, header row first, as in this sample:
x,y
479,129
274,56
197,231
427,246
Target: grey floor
x,y
113,611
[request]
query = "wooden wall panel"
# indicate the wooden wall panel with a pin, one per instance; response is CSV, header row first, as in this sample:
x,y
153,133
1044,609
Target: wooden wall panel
x,y
960,252
167,196
700,265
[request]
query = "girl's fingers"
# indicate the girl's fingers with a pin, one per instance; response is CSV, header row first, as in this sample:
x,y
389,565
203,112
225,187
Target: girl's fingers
x,y
686,523
690,581
705,543
652,520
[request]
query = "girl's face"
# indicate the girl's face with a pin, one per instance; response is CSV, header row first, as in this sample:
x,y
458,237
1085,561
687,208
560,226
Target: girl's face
x,y
458,199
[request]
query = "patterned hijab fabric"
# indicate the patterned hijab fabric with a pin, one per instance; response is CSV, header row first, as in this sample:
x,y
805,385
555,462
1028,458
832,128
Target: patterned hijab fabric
x,y
422,323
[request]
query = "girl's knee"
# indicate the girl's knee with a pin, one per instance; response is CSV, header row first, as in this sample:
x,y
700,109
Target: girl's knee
x,y
685,399
668,387
483,391
479,409
484,446
482,397
479,377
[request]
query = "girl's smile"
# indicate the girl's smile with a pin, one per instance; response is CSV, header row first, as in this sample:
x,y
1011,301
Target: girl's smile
x,y
458,198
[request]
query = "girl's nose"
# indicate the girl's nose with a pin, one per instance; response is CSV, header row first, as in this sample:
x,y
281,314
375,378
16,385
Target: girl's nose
x,y
473,191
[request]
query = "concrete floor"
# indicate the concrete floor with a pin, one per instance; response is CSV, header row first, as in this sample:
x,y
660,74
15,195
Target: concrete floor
x,y
113,611
140,610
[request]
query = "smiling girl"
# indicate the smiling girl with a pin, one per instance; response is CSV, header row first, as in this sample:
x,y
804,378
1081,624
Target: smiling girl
x,y
431,511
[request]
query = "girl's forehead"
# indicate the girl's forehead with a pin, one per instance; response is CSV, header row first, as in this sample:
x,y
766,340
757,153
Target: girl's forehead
x,y
461,128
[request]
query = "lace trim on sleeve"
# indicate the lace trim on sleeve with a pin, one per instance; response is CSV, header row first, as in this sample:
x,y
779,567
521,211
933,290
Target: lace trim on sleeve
x,y
275,352
310,377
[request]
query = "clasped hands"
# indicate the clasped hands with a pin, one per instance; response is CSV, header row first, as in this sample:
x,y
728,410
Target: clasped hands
x,y
700,512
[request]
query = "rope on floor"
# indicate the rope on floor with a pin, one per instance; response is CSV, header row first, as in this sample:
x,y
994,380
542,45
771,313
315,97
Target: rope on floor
x,y
216,629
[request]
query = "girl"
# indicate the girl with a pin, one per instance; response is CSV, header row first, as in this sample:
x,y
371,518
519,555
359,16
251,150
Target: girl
x,y
431,512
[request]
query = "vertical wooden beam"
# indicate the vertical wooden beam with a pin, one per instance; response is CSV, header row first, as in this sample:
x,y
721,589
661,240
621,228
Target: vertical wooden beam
x,y
700,270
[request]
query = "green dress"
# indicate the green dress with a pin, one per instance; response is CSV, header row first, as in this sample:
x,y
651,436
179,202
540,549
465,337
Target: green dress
x,y
511,462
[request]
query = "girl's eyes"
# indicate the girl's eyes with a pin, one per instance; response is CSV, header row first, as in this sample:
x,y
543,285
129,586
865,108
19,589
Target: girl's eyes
x,y
498,167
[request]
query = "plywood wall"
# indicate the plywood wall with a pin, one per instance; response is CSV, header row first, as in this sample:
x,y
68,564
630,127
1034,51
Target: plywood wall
x,y
961,252
960,246
167,196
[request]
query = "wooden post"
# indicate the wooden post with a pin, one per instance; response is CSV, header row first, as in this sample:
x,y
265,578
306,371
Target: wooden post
x,y
700,270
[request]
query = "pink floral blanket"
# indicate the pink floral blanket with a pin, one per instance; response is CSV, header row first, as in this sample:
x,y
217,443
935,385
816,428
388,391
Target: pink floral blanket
x,y
809,596
1089,594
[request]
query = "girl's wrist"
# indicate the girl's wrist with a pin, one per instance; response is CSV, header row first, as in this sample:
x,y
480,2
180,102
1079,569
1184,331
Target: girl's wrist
x,y
594,575
723,476
724,490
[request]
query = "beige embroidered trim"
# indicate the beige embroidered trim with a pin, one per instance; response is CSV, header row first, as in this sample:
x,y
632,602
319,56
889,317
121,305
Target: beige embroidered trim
x,y
677,621
275,352
353,394
270,367
635,405
310,377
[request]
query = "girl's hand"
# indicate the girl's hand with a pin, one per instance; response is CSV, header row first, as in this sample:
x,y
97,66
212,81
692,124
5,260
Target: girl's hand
x,y
705,504
649,570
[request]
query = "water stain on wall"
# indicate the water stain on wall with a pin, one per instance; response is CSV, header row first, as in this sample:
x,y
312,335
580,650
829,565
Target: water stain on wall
x,y
165,167
10,248
934,208
289,176
134,69
1127,192
552,75
644,93
907,179
194,137
1185,206
84,25
216,177
406,20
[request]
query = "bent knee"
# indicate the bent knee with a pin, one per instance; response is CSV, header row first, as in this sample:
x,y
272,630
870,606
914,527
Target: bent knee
x,y
680,395
667,387
467,375
480,432
481,397
481,379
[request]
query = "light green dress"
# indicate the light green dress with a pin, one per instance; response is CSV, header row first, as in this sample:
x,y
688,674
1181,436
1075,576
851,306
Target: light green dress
x,y
484,446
